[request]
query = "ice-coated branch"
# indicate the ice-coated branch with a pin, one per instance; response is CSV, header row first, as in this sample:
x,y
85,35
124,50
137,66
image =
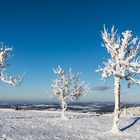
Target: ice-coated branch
x,y
132,80
59,70
109,40
68,84
14,81
4,56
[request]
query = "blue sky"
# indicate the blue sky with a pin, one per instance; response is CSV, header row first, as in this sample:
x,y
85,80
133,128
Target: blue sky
x,y
47,33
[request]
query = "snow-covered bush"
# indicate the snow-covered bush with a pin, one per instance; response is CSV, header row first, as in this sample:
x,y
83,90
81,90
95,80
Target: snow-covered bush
x,y
130,111
4,56
68,87
124,63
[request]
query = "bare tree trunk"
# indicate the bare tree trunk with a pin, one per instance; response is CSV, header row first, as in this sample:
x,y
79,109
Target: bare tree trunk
x,y
117,88
63,108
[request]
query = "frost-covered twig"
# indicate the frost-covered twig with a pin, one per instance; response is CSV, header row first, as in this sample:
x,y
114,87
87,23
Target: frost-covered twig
x,y
4,56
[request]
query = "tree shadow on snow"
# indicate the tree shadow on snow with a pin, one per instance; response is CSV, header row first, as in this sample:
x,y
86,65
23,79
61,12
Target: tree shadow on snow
x,y
133,123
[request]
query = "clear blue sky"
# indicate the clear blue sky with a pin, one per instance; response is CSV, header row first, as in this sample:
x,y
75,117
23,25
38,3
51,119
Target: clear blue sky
x,y
47,33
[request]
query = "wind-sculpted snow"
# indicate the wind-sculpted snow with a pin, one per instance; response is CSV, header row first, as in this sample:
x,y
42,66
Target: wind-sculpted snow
x,y
47,125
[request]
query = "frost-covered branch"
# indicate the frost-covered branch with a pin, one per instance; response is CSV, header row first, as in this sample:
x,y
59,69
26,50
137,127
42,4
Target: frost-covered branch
x,y
4,56
109,40
14,81
132,80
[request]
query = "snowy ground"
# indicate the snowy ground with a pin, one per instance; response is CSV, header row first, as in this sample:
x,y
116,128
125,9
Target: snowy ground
x,y
46,125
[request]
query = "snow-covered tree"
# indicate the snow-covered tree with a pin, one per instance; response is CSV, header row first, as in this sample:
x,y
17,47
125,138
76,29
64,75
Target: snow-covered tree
x,y
4,56
124,64
68,87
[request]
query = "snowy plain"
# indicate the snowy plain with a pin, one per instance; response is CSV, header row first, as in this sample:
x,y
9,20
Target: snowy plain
x,y
47,125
